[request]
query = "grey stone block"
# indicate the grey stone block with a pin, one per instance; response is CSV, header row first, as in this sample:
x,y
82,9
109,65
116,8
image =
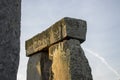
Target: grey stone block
x,y
10,16
38,67
66,28
69,61
34,68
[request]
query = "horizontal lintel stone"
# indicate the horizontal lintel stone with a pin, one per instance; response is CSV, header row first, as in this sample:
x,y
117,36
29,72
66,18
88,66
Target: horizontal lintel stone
x,y
66,28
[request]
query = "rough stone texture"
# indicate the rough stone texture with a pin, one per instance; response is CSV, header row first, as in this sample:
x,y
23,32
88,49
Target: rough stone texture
x,y
45,66
56,54
10,14
64,29
38,67
34,68
69,61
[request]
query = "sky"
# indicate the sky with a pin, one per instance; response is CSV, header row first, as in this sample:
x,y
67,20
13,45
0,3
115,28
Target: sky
x,y
103,26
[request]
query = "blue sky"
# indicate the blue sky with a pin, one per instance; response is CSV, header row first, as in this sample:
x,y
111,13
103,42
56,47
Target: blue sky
x,y
103,28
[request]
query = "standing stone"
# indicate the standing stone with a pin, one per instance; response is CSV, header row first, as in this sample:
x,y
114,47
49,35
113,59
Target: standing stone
x,y
69,61
61,56
10,14
34,67
38,66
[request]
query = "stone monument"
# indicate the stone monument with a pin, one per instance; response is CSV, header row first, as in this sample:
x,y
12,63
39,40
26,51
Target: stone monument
x,y
10,16
56,53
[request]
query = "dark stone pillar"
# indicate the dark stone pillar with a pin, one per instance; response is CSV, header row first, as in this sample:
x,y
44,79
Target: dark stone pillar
x,y
10,16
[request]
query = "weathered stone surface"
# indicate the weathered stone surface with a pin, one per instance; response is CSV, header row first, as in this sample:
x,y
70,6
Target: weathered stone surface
x,y
69,61
64,29
45,66
34,68
10,14
38,67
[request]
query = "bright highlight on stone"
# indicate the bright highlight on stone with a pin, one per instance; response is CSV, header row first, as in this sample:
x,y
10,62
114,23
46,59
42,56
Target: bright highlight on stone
x,y
56,54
